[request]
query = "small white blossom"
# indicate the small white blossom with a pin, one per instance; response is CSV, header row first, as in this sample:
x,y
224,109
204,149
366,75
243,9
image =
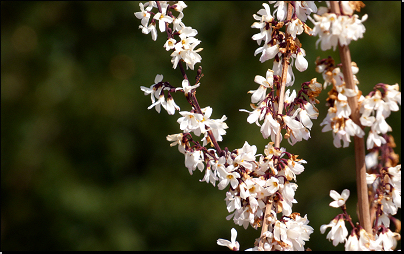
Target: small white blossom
x,y
301,62
233,244
226,176
338,232
144,14
170,106
352,243
170,44
186,87
260,93
162,17
295,27
339,200
193,160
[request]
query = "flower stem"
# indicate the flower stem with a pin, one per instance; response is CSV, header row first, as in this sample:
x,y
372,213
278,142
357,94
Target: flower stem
x,y
281,96
363,201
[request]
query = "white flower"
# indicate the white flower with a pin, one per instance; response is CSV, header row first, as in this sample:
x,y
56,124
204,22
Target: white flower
x,y
364,240
170,44
352,243
233,244
233,202
152,90
272,185
282,10
277,68
177,139
210,176
301,62
289,98
248,188
353,129
144,15
227,176
153,30
288,194
265,30
339,200
371,159
260,93
185,50
190,122
270,127
268,52
338,232
304,8
193,160
246,156
162,17
298,131
180,6
217,126
186,87
374,140
294,168
370,178
170,106
387,240
295,27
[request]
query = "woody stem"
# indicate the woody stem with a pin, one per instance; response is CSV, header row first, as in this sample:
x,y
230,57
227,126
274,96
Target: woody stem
x,y
362,190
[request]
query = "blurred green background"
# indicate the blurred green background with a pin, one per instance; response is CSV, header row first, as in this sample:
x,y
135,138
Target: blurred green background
x,y
85,165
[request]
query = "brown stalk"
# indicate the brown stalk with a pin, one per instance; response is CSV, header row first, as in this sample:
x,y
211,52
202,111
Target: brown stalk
x,y
363,201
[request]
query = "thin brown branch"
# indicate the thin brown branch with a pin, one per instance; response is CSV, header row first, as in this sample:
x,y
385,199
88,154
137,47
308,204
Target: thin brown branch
x,y
362,190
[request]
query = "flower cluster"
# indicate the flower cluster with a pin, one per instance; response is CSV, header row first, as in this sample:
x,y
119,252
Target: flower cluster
x,y
359,239
276,42
339,112
184,48
375,108
333,29
299,107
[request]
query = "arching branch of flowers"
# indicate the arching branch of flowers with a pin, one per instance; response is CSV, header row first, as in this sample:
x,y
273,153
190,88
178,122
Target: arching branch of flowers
x,y
191,98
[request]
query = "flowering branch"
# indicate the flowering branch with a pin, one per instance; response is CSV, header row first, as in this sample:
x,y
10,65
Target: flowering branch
x,y
362,189
260,186
347,116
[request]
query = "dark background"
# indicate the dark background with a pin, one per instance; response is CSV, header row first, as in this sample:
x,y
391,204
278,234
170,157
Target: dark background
x,y
85,165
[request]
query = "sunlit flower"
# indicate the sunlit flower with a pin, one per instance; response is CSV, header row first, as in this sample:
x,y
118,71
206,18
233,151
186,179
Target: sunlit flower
x,y
339,200
338,232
